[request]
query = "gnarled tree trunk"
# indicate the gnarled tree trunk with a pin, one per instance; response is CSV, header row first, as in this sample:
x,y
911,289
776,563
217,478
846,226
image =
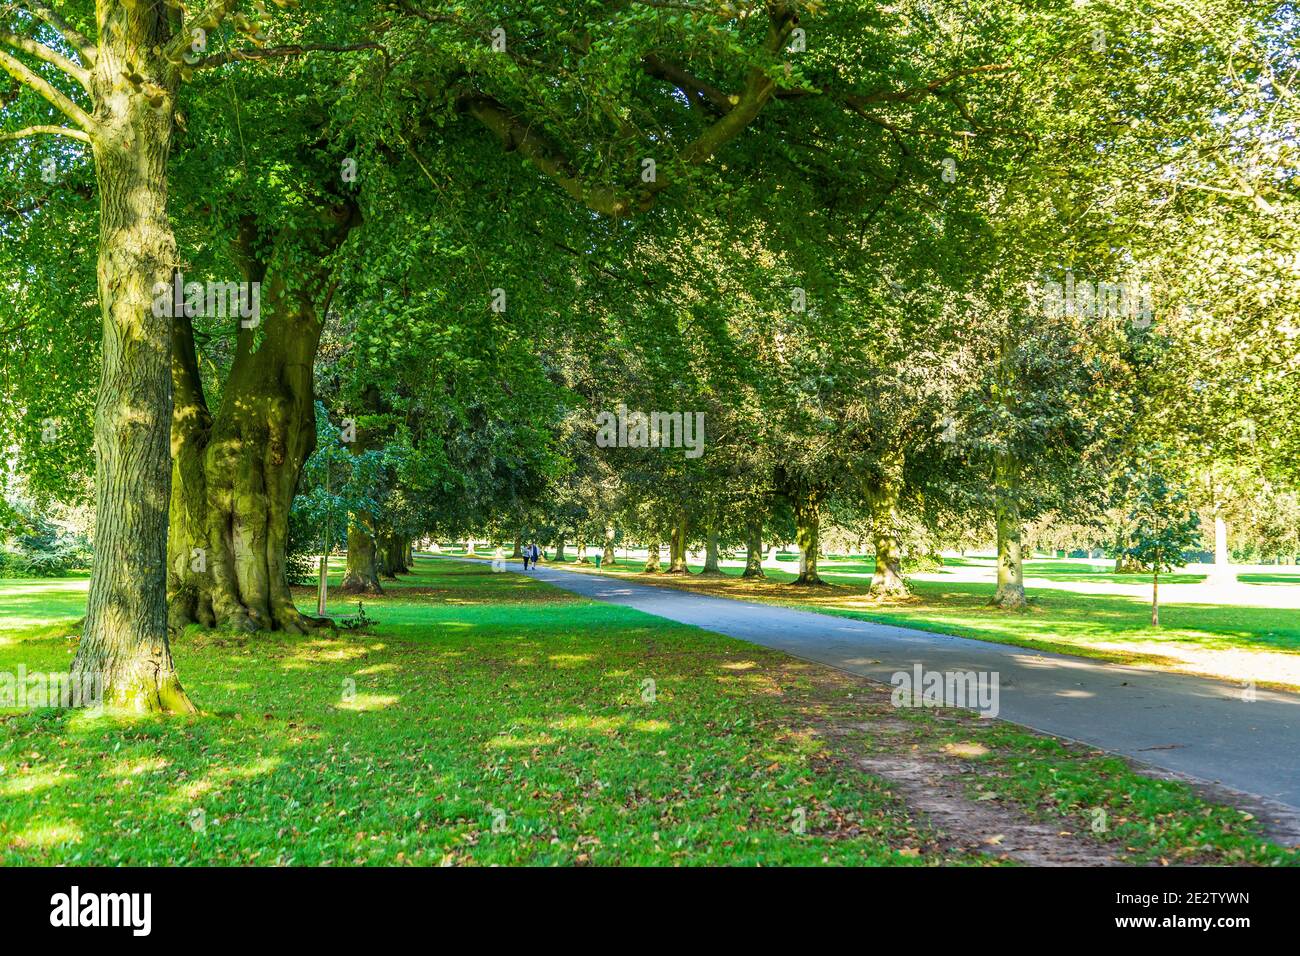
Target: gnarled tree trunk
x,y
608,556
236,472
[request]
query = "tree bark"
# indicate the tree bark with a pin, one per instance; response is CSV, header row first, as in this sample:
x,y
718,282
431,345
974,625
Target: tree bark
x,y
124,651
608,556
582,551
519,548
754,549
1011,570
1127,564
677,546
559,551
807,520
887,578
652,557
711,567
362,574
236,473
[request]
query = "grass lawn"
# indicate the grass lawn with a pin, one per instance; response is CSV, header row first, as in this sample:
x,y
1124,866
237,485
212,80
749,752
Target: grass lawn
x,y
487,718
1260,644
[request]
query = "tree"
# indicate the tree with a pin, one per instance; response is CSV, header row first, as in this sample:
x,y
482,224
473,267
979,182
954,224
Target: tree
x,y
1163,528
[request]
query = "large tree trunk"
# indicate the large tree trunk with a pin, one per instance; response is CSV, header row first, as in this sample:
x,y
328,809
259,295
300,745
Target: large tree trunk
x,y
608,556
384,565
362,574
582,551
711,554
124,652
807,523
236,473
652,557
886,522
754,549
1011,570
393,555
518,552
559,551
677,546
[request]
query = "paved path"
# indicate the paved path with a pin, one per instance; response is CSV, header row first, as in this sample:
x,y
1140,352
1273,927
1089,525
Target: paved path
x,y
1191,725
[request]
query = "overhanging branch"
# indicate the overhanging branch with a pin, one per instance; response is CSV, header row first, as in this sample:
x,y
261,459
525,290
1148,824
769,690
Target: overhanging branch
x,y
52,57
33,81
738,112
75,38
68,131
281,52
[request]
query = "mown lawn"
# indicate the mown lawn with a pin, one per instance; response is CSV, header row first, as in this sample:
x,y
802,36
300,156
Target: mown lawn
x,y
487,718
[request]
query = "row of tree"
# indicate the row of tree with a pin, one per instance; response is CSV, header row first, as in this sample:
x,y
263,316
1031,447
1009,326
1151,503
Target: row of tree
x,y
841,233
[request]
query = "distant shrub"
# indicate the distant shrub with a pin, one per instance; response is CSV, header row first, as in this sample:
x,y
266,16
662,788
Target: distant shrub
x,y
922,563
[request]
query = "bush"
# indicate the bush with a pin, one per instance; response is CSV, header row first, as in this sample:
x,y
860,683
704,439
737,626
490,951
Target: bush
x,y
299,560
50,555
922,563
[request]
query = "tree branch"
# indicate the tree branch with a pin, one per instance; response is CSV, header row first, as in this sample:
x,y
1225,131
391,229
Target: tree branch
x,y
207,19
52,57
276,52
77,134
699,92
518,136
24,75
739,112
76,39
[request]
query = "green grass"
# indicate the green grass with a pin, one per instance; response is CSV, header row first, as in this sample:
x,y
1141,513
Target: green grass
x,y
482,699
479,698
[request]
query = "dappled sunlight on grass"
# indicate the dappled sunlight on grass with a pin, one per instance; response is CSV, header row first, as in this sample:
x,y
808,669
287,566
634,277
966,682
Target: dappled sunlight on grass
x,y
605,725
570,660
26,783
47,834
512,742
474,697
221,777
366,702
133,768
